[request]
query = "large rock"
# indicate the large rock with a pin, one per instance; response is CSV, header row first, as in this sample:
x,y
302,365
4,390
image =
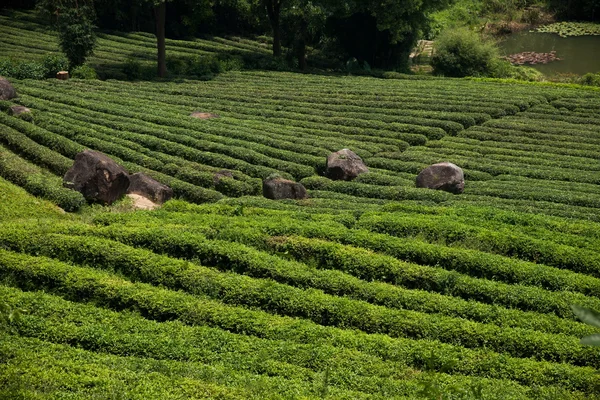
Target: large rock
x,y
344,165
279,188
7,91
443,176
97,177
18,110
141,184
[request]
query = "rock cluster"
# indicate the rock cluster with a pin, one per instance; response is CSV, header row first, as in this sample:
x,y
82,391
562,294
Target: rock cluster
x,y
531,57
102,180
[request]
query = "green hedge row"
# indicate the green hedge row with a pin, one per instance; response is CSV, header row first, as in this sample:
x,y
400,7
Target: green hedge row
x,y
449,232
37,144
375,191
336,259
133,153
70,148
310,304
36,182
295,364
413,134
110,291
169,143
264,132
252,231
497,148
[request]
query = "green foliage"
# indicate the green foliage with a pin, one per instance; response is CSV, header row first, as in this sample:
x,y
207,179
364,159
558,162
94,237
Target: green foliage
x,y
38,182
46,68
22,69
461,52
9,317
84,72
132,69
590,79
76,34
54,63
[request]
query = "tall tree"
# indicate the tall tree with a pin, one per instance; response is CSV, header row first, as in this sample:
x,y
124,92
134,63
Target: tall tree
x,y
74,20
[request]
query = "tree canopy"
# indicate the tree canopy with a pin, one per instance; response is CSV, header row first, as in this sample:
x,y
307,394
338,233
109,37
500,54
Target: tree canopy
x,y
378,32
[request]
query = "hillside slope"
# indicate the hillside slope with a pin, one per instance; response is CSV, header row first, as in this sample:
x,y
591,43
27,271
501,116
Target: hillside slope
x,y
369,289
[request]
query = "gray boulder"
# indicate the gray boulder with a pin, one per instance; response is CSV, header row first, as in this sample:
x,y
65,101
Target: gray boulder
x,y
443,176
141,184
18,110
344,165
279,188
97,177
7,91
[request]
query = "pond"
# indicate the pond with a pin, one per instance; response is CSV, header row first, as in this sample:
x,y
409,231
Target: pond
x,y
578,54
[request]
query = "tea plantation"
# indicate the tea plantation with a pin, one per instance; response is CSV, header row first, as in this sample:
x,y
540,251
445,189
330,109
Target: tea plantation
x,y
369,289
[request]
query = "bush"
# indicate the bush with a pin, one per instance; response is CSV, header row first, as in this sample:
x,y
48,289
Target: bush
x,y
84,72
134,70
53,63
461,52
590,79
46,68
22,69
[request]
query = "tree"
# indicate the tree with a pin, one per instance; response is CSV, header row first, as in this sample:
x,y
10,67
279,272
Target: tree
x,y
392,25
273,8
74,20
160,15
303,24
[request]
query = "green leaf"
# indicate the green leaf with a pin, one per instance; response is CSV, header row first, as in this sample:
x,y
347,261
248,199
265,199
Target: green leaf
x,y
587,315
592,340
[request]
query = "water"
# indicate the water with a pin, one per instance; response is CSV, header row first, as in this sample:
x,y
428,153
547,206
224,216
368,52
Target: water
x,y
579,54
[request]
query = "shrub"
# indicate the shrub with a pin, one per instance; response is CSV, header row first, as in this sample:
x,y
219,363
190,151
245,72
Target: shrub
x,y
231,63
53,63
29,70
590,79
46,68
461,52
132,68
84,72
177,65
204,66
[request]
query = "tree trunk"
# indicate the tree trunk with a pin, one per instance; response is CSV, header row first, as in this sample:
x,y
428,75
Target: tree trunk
x,y
274,12
160,12
276,38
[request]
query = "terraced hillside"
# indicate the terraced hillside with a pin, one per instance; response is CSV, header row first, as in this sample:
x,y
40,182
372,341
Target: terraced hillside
x,y
24,38
369,289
